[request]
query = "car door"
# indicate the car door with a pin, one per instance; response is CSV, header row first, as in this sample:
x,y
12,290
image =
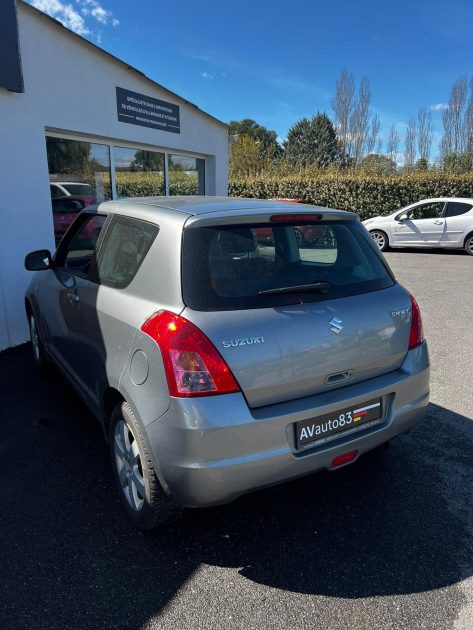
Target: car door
x,y
458,223
106,308
423,227
61,292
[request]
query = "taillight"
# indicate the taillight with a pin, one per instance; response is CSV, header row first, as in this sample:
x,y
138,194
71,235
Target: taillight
x,y
193,365
294,218
417,332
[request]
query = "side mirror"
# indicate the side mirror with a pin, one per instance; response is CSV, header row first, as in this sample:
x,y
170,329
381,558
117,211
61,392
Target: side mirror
x,y
38,260
403,218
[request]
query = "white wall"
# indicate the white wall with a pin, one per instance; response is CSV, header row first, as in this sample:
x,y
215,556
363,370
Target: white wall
x,y
70,86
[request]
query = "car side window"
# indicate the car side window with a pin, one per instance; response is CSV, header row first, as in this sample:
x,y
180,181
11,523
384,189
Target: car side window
x,y
79,254
456,208
124,248
427,211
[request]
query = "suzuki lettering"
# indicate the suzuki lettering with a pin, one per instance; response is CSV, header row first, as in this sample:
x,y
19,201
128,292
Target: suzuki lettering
x,y
246,341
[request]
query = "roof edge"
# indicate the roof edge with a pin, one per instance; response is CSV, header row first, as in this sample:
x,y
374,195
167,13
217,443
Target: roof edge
x,y
42,14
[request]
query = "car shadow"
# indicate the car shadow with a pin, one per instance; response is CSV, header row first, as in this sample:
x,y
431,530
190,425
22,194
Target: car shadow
x,y
438,251
69,557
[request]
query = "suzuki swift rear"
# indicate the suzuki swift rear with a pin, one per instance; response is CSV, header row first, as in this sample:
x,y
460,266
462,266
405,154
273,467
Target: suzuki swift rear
x,y
227,360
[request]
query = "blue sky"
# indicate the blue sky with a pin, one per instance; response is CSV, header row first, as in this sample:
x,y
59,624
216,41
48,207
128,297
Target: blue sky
x,y
278,61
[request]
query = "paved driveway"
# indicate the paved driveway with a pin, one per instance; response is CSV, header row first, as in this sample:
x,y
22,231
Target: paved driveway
x,y
385,543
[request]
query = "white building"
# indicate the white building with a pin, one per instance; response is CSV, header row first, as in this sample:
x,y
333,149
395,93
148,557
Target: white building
x,y
71,112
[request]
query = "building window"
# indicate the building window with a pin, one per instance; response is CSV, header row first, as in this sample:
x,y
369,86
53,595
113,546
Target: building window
x,y
186,175
138,173
79,175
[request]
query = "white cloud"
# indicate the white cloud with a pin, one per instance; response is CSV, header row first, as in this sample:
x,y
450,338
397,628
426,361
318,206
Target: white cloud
x,y
438,107
64,13
95,10
207,75
74,18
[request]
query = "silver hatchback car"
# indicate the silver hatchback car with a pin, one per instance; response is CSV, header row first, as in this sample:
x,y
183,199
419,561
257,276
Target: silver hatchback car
x,y
226,344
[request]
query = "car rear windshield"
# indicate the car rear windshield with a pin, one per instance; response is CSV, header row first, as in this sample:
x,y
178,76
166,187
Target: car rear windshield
x,y
79,189
235,267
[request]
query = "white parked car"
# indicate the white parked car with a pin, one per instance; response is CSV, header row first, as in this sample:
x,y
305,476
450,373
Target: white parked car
x,y
67,189
440,222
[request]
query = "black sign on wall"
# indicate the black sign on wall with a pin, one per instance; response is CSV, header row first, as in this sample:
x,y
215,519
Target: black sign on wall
x,y
139,109
11,76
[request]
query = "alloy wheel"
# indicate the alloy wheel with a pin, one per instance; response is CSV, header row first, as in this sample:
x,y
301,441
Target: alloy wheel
x,y
469,246
379,239
128,463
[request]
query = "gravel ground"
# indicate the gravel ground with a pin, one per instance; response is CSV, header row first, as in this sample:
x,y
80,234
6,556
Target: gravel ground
x,y
385,543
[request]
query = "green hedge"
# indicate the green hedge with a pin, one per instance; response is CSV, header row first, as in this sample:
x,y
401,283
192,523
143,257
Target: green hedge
x,y
150,184
369,195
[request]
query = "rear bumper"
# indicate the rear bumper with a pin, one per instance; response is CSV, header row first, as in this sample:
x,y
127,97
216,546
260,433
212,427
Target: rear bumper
x,y
211,450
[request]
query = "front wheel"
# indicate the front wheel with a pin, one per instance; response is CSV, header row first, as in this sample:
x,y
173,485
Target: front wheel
x,y
141,494
469,245
380,239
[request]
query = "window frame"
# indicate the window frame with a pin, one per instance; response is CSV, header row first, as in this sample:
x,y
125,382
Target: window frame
x,y
63,247
127,144
114,218
462,203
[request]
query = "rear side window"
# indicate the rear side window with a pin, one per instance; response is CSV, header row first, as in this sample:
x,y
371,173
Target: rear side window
x,y
78,256
239,267
126,243
456,208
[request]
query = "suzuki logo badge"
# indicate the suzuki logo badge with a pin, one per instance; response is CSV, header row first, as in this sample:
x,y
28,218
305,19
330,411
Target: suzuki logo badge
x,y
336,325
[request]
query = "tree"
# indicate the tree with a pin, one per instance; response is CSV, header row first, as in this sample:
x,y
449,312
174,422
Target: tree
x,y
424,134
392,146
422,164
454,133
312,142
67,156
267,140
410,145
457,163
147,161
342,105
244,158
372,138
359,121
469,122
378,164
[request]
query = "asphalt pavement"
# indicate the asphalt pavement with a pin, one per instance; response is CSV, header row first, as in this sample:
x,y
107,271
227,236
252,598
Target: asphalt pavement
x,y
384,543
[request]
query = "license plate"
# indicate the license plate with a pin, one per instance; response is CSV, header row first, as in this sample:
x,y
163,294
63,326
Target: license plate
x,y
329,426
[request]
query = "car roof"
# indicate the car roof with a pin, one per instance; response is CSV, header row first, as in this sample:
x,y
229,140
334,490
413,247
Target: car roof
x,y
442,199
61,183
204,205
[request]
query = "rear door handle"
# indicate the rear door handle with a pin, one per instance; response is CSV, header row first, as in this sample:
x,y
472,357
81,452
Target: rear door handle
x,y
73,297
438,222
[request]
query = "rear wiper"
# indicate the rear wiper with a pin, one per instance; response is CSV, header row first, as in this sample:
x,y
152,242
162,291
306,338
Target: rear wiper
x,y
300,288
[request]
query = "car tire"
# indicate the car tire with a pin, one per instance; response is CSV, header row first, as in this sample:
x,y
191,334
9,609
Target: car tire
x,y
381,239
141,494
469,244
39,353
